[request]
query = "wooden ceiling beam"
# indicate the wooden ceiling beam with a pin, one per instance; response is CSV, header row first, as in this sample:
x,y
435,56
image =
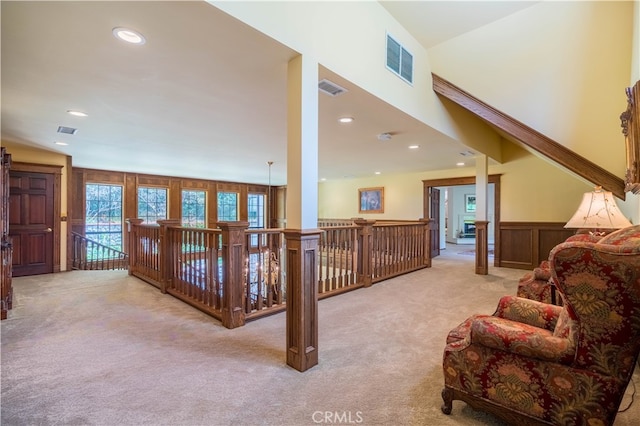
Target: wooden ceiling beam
x,y
531,138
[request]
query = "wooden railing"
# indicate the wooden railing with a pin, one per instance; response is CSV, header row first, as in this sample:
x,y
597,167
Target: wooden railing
x,y
338,260
235,274
265,289
144,252
194,259
398,249
87,254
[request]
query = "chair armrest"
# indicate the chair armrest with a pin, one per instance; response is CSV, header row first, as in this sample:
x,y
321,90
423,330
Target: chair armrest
x,y
521,339
528,311
541,274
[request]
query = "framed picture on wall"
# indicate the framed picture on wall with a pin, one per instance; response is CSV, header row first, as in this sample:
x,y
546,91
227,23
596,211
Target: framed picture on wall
x,y
470,203
371,200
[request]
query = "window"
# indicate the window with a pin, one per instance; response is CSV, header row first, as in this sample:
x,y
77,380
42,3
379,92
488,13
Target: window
x,y
194,209
399,60
255,207
103,219
152,204
227,206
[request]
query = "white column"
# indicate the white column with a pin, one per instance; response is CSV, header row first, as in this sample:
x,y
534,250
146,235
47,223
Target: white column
x,y
302,143
482,185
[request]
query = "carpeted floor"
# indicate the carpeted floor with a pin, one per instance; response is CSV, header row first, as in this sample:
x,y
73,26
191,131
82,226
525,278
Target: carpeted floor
x,y
102,348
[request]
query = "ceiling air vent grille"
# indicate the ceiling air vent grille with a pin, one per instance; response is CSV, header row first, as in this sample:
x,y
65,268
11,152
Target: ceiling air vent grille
x,y
399,60
330,88
67,130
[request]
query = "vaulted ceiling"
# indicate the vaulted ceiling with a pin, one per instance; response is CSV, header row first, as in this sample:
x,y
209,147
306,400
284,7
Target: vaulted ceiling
x,y
190,96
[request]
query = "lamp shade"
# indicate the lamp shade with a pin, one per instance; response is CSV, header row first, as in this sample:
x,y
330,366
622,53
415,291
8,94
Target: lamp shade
x,y
598,210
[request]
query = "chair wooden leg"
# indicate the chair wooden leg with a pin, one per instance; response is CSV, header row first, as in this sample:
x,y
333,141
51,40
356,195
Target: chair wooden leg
x,y
447,397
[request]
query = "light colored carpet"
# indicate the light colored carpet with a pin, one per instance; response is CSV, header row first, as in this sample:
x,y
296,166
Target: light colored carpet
x,y
103,348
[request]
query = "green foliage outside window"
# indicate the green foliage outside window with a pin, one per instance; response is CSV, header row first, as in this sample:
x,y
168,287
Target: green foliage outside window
x,y
194,208
152,204
255,207
103,217
227,206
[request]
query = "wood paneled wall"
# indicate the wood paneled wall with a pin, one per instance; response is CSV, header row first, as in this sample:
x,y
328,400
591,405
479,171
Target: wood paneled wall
x,y
523,245
175,185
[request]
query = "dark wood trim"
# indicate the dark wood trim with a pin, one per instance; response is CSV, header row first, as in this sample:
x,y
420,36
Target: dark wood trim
x,y
469,180
56,171
482,241
302,298
69,207
512,417
531,138
6,244
175,185
526,244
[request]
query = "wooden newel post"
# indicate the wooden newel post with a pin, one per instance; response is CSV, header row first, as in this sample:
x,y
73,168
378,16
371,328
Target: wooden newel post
x,y
365,249
302,297
164,251
428,224
233,266
132,237
482,247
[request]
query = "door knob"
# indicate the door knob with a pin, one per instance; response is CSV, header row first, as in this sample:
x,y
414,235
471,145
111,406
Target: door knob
x,y
48,230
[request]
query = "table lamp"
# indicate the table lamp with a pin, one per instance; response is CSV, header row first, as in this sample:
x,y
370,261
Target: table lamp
x,y
599,213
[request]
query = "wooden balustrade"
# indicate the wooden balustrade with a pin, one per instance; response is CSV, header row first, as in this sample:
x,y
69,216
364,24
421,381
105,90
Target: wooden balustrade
x,y
193,268
87,254
398,249
338,260
236,274
325,223
265,289
144,252
6,244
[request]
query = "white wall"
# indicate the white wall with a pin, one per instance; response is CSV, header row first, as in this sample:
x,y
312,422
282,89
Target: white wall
x,y
560,67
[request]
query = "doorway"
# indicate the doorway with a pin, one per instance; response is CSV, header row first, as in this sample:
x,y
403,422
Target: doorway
x,y
34,206
434,215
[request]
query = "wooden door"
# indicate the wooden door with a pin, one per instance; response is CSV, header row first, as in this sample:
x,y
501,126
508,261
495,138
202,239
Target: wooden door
x,y
434,215
31,222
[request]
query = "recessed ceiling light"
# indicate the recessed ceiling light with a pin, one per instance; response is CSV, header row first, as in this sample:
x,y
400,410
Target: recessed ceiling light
x,y
459,164
378,173
414,146
128,35
77,113
61,143
345,119
323,179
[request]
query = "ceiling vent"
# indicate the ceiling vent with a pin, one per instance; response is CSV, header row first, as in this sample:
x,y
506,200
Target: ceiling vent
x,y
67,130
399,60
330,88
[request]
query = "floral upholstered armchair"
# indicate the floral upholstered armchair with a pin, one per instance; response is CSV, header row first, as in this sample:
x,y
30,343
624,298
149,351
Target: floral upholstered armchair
x,y
537,363
537,284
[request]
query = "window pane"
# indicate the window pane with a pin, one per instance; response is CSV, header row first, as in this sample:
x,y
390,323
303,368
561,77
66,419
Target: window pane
x,y
103,220
152,204
194,209
255,207
227,206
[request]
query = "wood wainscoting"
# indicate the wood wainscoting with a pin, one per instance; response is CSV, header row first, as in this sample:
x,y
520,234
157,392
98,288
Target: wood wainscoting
x,y
523,245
